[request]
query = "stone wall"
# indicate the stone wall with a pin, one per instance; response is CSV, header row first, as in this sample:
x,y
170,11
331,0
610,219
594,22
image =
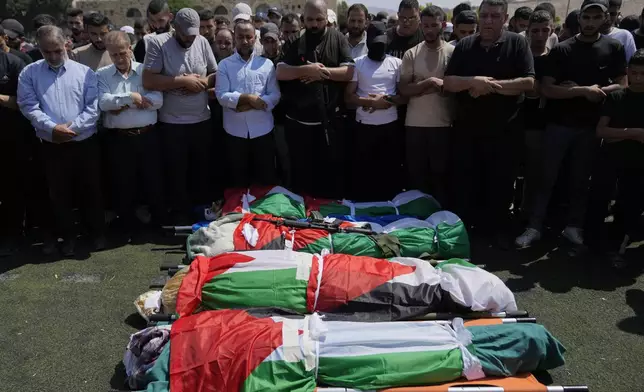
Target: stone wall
x,y
124,12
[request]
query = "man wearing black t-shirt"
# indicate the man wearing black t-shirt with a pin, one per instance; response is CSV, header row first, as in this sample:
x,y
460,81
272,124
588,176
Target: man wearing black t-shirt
x,y
488,72
581,71
314,69
13,153
407,33
621,160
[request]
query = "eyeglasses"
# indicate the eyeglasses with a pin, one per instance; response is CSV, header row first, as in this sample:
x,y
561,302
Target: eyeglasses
x,y
403,19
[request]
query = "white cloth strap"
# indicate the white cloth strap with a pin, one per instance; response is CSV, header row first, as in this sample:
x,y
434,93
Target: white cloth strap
x,y
319,278
472,368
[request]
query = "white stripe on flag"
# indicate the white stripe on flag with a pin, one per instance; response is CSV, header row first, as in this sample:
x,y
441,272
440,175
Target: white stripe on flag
x,y
265,260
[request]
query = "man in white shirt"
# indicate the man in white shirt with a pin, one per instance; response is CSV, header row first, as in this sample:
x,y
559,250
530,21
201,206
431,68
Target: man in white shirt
x,y
247,89
625,37
130,113
357,35
373,91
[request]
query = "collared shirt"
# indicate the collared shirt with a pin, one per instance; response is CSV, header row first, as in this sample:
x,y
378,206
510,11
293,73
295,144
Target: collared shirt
x,y
114,91
256,76
48,97
361,47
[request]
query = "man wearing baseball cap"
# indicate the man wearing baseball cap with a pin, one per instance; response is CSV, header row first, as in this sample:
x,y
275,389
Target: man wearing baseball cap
x,y
582,71
242,11
14,32
182,65
4,47
275,16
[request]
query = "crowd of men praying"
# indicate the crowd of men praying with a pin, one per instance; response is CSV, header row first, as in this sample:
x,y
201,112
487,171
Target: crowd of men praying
x,y
505,121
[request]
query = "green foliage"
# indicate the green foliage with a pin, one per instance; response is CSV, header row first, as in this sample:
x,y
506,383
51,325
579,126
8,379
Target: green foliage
x,y
176,5
25,10
341,11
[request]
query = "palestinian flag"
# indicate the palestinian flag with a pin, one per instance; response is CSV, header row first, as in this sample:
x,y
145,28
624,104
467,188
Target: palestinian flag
x,y
347,287
411,203
442,236
275,201
235,350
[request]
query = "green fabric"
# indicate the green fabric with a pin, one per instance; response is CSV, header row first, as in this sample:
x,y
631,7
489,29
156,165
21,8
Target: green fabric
x,y
452,262
278,204
509,349
316,246
375,211
389,245
420,208
158,377
415,241
398,368
334,209
280,375
356,245
453,240
278,288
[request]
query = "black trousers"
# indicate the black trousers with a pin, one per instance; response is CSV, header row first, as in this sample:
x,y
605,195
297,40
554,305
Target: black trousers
x,y
484,168
374,175
317,164
621,163
73,175
189,163
252,161
220,174
427,154
14,172
135,171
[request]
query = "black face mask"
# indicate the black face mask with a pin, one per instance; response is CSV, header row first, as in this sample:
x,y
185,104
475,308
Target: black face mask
x,y
377,51
314,33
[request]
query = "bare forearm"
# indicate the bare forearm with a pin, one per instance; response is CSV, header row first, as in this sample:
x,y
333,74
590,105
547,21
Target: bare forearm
x,y
456,84
617,134
8,101
287,72
553,91
519,84
341,74
211,80
158,82
414,89
357,101
612,87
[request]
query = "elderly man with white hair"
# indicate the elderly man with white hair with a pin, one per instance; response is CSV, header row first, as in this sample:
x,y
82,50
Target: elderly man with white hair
x,y
59,97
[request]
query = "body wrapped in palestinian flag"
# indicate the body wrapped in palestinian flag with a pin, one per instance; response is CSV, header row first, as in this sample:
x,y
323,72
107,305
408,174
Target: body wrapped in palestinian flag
x,y
275,201
235,350
441,236
346,287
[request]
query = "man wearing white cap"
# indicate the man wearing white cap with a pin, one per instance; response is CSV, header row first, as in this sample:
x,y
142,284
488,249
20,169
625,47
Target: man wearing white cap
x,y
242,11
182,65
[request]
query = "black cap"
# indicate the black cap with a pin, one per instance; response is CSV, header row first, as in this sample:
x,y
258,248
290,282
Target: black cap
x,y
602,4
377,32
274,10
13,28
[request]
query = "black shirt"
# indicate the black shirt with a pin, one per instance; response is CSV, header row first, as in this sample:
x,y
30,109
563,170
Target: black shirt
x,y
305,102
35,55
624,109
639,39
23,56
586,64
508,58
139,51
397,45
10,68
533,108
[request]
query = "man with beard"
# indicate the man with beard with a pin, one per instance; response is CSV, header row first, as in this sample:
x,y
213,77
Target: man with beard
x,y
373,91
290,27
625,37
581,72
4,47
159,18
67,131
93,54
181,65
428,122
357,23
75,24
247,89
406,34
223,44
141,29
488,72
464,25
271,43
274,16
207,26
314,67
13,36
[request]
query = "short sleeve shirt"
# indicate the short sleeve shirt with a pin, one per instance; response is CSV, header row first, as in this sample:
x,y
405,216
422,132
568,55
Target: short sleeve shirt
x,y
377,77
508,58
586,64
398,45
624,110
166,56
310,102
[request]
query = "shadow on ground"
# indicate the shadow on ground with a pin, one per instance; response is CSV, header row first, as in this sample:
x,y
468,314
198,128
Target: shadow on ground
x,y
635,324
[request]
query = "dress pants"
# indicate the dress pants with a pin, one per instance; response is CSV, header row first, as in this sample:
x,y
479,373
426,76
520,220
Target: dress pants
x,y
73,171
14,171
251,161
189,162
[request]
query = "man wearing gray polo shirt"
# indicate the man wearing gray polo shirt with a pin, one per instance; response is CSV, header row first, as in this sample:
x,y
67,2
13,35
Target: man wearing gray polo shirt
x,y
182,65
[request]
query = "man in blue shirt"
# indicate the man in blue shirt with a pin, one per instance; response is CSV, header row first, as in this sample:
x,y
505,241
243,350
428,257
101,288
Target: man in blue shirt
x,y
59,97
247,89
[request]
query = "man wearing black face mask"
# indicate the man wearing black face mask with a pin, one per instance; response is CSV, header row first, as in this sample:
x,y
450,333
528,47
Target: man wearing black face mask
x,y
313,70
373,91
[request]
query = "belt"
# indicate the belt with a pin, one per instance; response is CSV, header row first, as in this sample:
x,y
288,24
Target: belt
x,y
132,131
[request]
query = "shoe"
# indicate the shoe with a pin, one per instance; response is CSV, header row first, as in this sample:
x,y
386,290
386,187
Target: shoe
x,y
69,249
527,238
574,235
99,243
49,247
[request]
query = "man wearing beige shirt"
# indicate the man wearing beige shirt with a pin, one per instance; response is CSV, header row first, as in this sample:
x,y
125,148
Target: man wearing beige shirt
x,y
429,116
94,54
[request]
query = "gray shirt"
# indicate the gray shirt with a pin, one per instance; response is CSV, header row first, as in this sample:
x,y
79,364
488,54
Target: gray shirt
x,y
164,55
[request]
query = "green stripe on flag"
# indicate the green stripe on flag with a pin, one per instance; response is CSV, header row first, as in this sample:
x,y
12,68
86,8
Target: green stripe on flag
x,y
415,241
250,289
279,204
375,211
452,262
334,209
386,369
421,207
356,245
280,376
453,240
